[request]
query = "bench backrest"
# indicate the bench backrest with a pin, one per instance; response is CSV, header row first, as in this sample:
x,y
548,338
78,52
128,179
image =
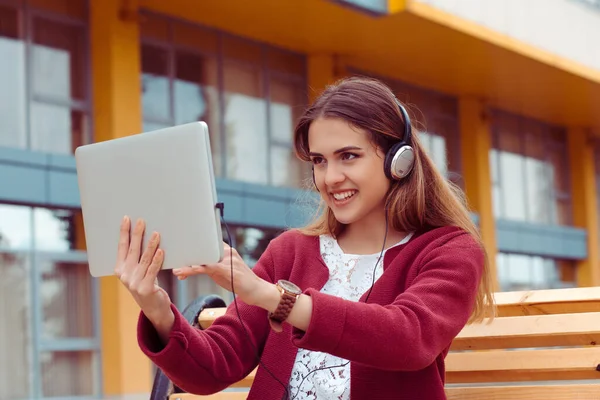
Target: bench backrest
x,y
538,336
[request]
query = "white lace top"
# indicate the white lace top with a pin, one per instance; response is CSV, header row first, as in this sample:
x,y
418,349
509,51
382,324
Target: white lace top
x,y
350,276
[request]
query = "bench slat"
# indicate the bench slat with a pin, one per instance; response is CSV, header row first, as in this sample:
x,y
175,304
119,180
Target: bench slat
x,y
531,331
529,392
551,301
208,315
247,381
523,365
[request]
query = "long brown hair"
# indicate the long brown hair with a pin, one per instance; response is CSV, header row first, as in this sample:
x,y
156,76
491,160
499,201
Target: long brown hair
x,y
423,200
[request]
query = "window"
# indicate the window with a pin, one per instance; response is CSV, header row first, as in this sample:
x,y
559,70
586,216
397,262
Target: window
x,y
530,170
44,102
526,272
48,294
435,117
249,94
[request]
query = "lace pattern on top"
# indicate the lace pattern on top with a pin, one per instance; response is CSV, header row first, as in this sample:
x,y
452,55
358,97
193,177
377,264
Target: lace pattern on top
x,y
350,276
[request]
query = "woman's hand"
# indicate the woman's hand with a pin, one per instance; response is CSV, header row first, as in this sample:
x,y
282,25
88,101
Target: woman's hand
x,y
249,287
138,271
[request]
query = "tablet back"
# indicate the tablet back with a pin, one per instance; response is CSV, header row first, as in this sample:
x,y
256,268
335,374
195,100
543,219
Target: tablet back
x,y
165,177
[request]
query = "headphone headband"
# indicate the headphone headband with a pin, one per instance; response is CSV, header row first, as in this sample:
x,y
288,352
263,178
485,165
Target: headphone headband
x,y
407,138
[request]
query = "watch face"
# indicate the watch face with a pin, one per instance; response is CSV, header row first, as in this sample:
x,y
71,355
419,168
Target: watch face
x,y
289,287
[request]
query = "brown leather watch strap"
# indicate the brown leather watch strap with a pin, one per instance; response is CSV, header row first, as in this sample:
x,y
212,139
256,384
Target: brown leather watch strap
x,y
281,313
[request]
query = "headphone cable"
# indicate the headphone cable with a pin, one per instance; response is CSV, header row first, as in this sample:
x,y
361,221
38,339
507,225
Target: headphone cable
x,y
286,394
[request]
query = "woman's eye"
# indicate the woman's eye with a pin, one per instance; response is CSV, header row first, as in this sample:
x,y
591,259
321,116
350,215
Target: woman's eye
x,y
317,160
348,156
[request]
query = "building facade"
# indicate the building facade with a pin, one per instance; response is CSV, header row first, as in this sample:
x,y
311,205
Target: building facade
x,y
507,108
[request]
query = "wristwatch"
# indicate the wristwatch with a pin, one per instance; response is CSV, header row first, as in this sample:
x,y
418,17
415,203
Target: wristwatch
x,y
289,294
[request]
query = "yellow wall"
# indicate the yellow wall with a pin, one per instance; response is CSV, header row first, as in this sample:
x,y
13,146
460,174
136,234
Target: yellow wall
x,y
475,142
117,112
584,200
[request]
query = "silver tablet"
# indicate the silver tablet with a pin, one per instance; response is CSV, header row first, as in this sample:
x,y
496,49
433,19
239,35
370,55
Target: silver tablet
x,y
165,177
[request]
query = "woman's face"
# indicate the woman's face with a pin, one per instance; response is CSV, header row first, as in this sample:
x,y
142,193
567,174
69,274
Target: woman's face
x,y
348,170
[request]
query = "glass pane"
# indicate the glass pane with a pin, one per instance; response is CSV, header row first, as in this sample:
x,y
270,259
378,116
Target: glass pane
x,y
513,186
245,124
503,272
557,158
15,227
519,267
496,189
59,60
155,83
197,97
67,373
15,333
57,129
153,126
12,81
54,229
438,147
539,195
72,8
287,103
66,298
286,169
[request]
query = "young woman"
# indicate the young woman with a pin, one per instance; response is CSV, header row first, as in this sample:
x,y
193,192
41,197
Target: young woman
x,y
361,304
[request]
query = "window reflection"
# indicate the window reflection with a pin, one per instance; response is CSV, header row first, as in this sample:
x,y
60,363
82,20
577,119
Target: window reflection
x,y
66,286
57,129
15,312
54,230
529,176
57,106
250,95
67,373
12,81
155,83
245,124
15,227
527,272
58,60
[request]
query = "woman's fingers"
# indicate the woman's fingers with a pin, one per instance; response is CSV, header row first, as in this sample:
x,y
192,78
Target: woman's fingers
x,y
149,252
155,266
184,272
147,258
135,245
123,240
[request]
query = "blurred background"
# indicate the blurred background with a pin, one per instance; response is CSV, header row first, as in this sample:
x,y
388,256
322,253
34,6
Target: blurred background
x,y
506,92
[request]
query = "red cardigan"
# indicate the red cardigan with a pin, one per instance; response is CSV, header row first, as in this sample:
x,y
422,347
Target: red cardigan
x,y
396,342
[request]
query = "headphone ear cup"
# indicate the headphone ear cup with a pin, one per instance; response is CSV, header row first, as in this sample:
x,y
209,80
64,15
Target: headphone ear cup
x,y
399,161
387,162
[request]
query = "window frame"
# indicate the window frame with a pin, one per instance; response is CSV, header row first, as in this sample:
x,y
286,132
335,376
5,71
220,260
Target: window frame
x,y
263,69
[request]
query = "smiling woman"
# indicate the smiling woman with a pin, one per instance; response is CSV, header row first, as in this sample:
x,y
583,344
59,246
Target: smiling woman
x,y
315,302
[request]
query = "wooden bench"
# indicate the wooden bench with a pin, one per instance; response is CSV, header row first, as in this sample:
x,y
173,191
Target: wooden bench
x,y
542,345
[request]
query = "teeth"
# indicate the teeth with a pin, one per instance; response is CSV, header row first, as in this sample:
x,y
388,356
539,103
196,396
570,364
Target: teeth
x,y
344,195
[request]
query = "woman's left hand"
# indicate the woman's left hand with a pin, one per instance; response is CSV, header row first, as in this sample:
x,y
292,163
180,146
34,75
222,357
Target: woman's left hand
x,y
246,283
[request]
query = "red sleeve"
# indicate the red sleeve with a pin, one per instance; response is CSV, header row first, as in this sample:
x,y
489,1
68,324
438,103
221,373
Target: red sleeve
x,y
207,361
410,333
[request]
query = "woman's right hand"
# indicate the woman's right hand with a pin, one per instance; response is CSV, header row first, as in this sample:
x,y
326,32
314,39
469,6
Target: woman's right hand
x,y
138,271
